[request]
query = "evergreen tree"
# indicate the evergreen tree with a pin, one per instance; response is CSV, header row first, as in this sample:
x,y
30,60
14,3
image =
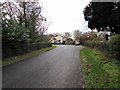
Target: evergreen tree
x,y
102,15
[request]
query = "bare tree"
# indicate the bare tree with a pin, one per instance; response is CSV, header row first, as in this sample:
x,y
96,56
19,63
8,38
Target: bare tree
x,y
77,33
67,35
9,10
26,14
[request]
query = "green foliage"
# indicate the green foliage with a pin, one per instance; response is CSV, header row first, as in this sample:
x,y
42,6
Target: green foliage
x,y
22,25
14,49
97,39
12,31
98,72
114,46
97,44
21,28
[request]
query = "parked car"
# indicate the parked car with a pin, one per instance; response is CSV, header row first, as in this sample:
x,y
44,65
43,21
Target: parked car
x,y
77,43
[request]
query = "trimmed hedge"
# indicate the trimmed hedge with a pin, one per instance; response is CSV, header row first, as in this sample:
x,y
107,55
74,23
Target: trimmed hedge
x,y
15,49
112,46
95,44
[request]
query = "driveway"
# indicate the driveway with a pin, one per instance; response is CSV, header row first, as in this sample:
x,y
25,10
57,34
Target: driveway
x,y
57,68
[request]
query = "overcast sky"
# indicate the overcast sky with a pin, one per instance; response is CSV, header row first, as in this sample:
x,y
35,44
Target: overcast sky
x,y
65,15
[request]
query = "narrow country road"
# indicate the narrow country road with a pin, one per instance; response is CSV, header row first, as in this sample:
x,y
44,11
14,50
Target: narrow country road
x,y
57,68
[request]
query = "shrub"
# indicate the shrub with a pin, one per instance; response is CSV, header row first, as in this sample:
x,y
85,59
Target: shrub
x,y
96,44
114,47
97,39
14,49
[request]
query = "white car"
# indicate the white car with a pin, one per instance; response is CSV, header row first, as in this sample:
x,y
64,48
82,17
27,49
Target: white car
x,y
77,42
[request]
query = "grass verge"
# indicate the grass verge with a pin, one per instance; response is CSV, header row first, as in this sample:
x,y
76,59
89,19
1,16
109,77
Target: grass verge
x,y
99,71
21,57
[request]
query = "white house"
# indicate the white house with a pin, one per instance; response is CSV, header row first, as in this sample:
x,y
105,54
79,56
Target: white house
x,y
102,34
57,39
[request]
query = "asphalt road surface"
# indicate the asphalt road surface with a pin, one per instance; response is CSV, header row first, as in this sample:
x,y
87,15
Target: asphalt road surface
x,y
57,68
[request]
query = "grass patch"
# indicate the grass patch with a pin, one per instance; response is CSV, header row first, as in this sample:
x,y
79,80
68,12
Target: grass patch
x,y
99,71
21,57
97,39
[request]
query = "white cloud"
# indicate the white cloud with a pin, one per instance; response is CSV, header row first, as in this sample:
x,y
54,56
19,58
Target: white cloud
x,y
66,15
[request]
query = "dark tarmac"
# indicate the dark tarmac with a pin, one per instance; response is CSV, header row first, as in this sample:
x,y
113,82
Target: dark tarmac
x,y
57,68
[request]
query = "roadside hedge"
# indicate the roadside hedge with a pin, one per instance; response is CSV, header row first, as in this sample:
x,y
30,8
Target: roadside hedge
x,y
96,44
15,49
112,46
